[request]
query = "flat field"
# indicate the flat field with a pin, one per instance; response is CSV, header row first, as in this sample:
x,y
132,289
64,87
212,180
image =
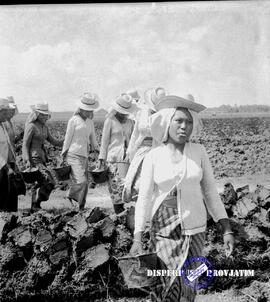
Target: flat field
x,y
236,146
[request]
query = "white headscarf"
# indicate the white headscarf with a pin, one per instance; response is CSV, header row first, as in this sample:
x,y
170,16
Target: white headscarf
x,y
160,123
32,117
197,123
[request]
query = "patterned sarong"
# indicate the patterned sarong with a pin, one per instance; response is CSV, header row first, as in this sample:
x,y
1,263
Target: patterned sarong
x,y
115,184
173,249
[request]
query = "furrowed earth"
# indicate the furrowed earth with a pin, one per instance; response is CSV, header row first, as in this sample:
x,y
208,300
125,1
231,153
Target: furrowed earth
x,y
59,253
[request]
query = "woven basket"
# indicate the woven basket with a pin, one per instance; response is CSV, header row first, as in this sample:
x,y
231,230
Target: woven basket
x,y
134,269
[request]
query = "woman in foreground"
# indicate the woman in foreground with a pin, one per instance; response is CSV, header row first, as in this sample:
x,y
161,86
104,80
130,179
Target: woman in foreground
x,y
177,186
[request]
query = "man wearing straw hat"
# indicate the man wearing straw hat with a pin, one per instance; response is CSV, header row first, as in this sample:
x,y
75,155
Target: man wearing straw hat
x,y
79,138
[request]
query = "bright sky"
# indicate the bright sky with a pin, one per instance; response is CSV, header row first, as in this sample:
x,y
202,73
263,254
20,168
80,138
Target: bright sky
x,y
217,51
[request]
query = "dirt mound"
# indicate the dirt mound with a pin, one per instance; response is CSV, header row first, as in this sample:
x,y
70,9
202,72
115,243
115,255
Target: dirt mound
x,y
68,256
50,257
249,213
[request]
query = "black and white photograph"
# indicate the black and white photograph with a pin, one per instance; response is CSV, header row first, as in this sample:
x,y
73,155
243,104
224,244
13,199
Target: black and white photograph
x,y
135,152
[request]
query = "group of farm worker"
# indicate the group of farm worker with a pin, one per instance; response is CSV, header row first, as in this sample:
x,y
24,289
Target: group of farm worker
x,y
170,178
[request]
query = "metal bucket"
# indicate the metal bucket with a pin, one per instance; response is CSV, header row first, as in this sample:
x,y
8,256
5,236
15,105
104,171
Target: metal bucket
x,y
62,173
100,175
122,168
31,175
134,269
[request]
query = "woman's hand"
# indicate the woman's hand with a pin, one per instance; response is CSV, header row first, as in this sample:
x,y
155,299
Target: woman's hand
x,y
93,155
127,158
64,161
136,248
228,243
28,164
10,171
228,237
101,163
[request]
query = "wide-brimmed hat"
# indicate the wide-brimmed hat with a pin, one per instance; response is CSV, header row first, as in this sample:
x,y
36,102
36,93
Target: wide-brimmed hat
x,y
152,96
88,101
134,94
12,104
41,108
124,104
4,104
173,101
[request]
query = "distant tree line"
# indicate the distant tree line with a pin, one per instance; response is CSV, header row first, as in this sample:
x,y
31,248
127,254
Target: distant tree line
x,y
241,108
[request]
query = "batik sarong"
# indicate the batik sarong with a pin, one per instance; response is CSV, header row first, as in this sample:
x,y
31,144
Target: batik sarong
x,y
115,184
172,248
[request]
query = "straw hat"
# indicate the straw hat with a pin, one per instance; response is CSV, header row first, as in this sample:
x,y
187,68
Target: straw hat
x,y
152,95
88,101
4,104
12,104
134,94
41,108
123,104
173,101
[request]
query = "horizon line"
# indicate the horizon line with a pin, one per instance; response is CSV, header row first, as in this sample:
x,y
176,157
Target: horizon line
x,y
96,110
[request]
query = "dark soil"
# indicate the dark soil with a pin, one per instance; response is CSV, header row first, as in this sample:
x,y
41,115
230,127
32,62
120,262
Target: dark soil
x,y
73,256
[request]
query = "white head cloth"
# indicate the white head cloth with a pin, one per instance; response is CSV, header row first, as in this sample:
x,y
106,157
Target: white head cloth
x,y
160,123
